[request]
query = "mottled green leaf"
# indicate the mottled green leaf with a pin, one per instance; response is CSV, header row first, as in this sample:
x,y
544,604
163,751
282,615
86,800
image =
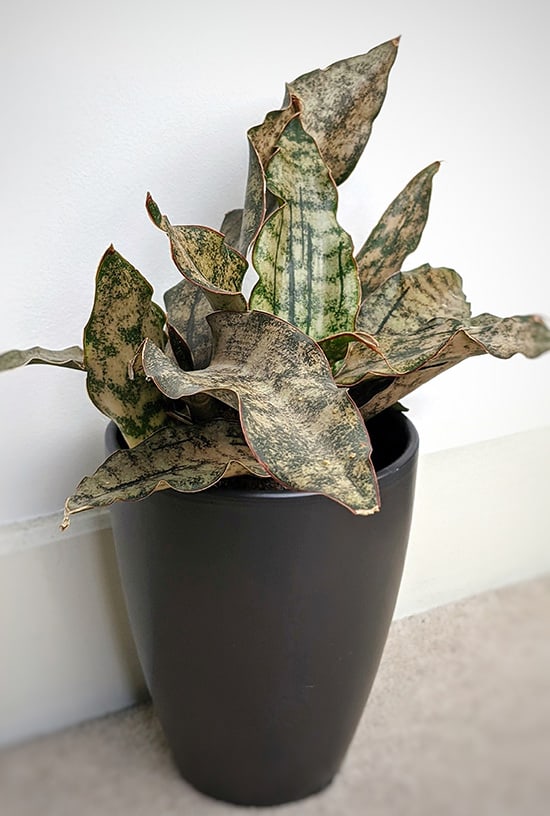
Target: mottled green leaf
x,y
340,103
501,337
187,458
459,347
398,232
123,315
336,345
187,309
411,316
72,357
304,429
505,336
304,259
262,141
231,227
204,258
407,301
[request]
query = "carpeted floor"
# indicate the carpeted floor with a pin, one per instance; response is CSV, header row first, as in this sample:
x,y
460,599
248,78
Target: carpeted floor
x,y
458,724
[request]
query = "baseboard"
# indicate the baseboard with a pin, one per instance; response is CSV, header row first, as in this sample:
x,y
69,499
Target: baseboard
x,y
66,654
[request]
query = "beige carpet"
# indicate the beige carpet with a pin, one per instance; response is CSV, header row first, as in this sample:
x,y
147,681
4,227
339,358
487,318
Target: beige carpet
x,y
458,723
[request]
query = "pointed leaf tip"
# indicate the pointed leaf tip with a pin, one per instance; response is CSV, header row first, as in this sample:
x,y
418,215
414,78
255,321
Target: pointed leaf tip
x,y
154,212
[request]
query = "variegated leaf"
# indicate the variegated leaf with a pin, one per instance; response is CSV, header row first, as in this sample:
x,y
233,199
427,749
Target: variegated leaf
x,y
262,141
501,337
336,345
204,258
411,315
398,232
123,315
304,429
72,357
387,391
505,336
304,259
407,301
187,309
341,102
187,458
231,227
179,349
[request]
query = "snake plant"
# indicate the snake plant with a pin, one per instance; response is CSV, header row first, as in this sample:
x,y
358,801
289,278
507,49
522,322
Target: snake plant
x,y
215,385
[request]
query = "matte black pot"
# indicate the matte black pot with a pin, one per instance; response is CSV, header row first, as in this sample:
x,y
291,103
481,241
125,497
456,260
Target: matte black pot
x,y
260,618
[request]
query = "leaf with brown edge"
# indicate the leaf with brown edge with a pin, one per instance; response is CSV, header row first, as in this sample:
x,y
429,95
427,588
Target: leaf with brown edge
x,y
505,336
187,309
484,334
340,103
304,429
262,141
71,357
203,257
304,259
398,232
336,345
123,314
411,316
414,314
231,227
186,458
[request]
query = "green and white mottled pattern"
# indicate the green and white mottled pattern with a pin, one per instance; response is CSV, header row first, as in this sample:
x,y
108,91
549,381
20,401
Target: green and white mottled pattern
x,y
204,258
411,316
304,259
187,309
501,337
72,357
398,232
303,428
340,103
414,315
123,315
187,458
336,345
262,141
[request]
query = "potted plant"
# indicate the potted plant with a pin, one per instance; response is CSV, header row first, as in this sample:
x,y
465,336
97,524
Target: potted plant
x,y
265,440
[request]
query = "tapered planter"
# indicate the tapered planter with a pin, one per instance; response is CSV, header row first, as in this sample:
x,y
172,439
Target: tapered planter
x,y
260,617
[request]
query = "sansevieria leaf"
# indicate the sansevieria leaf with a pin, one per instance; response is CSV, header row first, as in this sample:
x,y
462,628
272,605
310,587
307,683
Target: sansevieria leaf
x,y
187,458
304,259
187,309
123,315
304,429
262,141
203,257
501,337
398,232
231,227
340,103
72,357
411,316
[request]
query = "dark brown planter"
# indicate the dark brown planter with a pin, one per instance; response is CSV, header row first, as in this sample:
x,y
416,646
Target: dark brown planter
x,y
260,618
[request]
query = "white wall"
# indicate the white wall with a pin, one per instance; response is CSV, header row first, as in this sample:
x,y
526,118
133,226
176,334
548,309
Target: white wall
x,y
103,101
